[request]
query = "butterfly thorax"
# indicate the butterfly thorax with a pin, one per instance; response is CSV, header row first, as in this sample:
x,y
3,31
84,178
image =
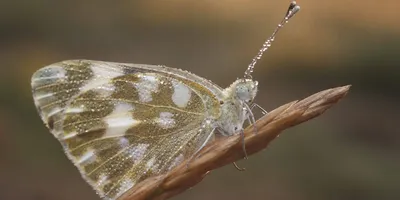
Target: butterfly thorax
x,y
235,104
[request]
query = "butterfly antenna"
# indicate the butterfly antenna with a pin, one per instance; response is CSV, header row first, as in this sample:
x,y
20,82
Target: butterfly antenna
x,y
292,10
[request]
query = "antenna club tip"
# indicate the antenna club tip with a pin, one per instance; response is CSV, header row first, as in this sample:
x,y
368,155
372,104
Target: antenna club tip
x,y
294,6
292,10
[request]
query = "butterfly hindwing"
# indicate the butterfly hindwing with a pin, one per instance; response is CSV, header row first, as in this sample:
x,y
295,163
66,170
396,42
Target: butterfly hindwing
x,y
119,128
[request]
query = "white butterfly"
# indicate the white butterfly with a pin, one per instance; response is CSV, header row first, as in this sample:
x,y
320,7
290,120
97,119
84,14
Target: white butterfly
x,y
122,123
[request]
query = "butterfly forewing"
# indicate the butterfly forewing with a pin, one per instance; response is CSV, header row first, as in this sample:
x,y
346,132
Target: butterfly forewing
x,y
120,128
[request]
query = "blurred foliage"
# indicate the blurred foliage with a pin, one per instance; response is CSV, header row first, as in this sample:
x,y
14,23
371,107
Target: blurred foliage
x,y
349,153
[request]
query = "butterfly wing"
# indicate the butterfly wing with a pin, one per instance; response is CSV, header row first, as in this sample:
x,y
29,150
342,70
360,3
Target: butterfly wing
x,y
121,123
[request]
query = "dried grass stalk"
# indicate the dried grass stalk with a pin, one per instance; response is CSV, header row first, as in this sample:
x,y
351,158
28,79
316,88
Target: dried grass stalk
x,y
226,150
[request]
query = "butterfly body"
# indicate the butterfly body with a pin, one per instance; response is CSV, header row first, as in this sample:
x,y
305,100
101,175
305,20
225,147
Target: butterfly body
x,y
122,123
233,109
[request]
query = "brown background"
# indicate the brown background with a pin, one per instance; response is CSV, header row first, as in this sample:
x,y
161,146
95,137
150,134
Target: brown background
x,y
352,152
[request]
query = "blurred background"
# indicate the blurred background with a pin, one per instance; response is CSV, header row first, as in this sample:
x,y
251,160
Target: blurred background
x,y
351,152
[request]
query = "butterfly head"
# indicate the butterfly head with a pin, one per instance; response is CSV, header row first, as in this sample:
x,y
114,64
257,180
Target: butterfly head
x,y
245,90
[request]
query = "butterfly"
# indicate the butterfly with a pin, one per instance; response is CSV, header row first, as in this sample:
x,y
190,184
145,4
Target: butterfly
x,y
121,123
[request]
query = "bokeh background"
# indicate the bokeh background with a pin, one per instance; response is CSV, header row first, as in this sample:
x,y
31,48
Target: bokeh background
x,y
351,152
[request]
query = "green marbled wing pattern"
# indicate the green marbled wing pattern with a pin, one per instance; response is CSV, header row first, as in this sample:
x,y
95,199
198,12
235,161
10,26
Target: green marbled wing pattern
x,y
121,129
54,86
121,139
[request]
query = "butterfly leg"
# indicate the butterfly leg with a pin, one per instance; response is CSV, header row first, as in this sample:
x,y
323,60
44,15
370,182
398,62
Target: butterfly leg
x,y
244,151
263,111
251,118
237,167
243,143
195,155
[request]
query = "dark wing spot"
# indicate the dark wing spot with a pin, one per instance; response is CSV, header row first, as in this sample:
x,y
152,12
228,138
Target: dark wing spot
x,y
50,123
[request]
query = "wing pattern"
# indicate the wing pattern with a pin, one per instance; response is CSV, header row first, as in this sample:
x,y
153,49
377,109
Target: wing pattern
x,y
119,128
